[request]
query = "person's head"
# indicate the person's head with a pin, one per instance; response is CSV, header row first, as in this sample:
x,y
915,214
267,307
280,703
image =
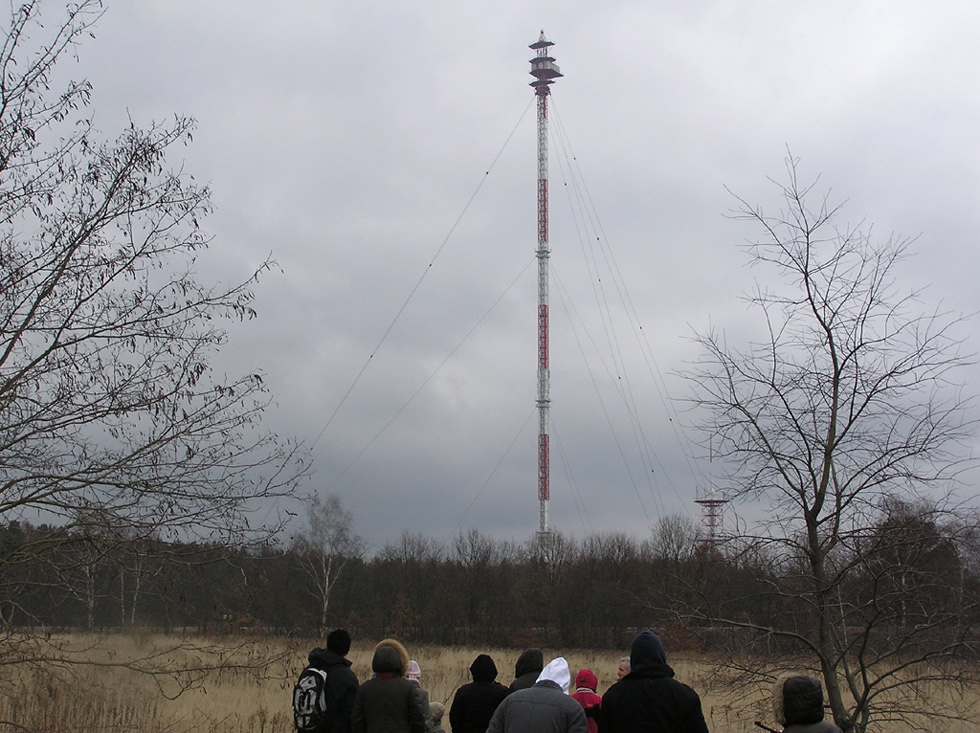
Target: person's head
x,y
585,680
531,660
624,667
414,672
483,669
797,700
557,671
437,710
338,642
390,657
646,649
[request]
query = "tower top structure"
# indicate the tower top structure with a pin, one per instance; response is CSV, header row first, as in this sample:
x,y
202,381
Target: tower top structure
x,y
712,515
543,67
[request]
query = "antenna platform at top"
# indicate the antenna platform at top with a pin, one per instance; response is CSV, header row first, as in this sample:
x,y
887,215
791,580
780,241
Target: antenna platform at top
x,y
543,67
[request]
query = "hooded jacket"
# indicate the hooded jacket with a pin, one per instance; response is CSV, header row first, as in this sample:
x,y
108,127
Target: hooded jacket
x,y
545,707
341,685
476,701
649,699
527,669
387,703
797,704
585,695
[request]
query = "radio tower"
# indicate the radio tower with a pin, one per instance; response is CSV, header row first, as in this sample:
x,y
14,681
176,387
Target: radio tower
x,y
712,516
544,71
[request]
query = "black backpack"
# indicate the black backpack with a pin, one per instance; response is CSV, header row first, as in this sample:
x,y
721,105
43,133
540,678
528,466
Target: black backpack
x,y
313,705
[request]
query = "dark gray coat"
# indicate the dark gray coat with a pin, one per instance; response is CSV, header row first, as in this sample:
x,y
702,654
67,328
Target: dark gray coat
x,y
541,708
388,703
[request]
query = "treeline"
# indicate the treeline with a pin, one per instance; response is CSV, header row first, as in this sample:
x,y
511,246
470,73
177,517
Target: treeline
x,y
551,591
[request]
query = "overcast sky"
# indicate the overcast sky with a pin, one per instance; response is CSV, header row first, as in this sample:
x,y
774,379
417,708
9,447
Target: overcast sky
x,y
346,138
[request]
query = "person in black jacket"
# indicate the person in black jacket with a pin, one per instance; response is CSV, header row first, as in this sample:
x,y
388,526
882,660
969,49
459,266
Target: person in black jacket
x,y
341,681
476,701
527,669
649,699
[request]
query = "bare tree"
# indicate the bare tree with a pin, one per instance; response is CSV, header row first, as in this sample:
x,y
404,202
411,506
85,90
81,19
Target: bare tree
x,y
108,399
850,401
479,582
111,410
421,604
326,546
674,538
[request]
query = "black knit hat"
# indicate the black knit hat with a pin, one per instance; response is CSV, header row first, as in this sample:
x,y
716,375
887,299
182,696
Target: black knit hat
x,y
338,642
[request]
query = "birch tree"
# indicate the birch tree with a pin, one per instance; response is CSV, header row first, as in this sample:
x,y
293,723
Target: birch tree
x,y
326,546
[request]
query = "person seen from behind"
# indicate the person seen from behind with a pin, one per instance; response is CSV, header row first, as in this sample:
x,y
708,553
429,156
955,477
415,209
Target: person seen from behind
x,y
341,683
414,676
527,669
797,703
436,711
544,707
387,702
476,701
649,699
585,695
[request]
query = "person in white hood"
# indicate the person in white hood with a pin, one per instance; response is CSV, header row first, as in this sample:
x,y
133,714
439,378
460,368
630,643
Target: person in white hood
x,y
545,707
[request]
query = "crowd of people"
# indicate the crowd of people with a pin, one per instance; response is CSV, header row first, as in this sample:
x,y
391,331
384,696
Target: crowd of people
x,y
645,698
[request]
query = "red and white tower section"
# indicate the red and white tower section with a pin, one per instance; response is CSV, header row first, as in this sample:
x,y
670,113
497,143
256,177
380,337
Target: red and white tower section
x,y
544,71
712,516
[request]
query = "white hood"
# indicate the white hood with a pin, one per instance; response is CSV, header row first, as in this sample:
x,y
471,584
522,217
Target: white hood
x,y
557,671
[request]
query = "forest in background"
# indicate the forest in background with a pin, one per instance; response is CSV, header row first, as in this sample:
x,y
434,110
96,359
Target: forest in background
x,y
476,590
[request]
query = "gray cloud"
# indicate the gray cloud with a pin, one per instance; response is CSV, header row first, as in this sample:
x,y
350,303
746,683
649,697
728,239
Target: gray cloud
x,y
345,138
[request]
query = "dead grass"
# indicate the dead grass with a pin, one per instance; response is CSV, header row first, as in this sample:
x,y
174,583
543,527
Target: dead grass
x,y
244,685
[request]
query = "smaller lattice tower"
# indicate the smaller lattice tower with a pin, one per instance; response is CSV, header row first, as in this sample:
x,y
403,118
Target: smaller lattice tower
x,y
712,515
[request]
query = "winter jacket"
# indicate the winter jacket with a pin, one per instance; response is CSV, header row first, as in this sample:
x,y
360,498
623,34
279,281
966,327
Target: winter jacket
x,y
388,703
585,695
527,669
414,676
545,707
341,686
476,702
649,699
797,703
422,700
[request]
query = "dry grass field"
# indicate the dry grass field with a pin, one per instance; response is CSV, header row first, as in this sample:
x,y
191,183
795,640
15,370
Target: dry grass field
x,y
249,691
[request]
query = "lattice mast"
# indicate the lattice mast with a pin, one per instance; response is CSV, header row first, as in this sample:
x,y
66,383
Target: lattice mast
x,y
544,71
712,516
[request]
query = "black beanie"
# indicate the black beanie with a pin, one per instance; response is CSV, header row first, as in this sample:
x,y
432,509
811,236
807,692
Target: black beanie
x,y
338,642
